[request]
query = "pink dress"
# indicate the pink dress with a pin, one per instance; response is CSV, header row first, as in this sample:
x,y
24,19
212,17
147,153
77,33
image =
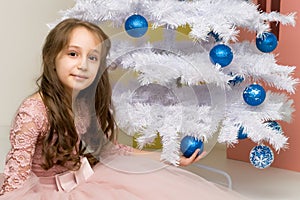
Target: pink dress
x,y
117,176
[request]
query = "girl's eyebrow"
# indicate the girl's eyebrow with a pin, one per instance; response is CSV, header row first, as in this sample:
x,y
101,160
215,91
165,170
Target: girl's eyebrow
x,y
78,47
95,51
73,46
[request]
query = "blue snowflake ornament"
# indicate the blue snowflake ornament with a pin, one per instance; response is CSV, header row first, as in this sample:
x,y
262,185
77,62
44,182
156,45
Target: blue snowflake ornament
x,y
261,156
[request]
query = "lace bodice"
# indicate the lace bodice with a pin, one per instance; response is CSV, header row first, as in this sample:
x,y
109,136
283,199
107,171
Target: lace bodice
x,y
26,135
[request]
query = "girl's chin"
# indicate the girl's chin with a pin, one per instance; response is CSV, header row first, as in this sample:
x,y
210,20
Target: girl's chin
x,y
75,90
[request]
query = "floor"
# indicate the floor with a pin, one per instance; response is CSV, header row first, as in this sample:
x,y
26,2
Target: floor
x,y
259,184
270,183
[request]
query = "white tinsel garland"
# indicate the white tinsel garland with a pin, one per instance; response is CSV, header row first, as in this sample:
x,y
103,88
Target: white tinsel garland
x,y
262,67
188,119
202,16
275,107
195,68
171,122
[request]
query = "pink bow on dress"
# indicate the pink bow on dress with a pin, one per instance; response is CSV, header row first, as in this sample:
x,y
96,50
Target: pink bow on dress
x,y
69,180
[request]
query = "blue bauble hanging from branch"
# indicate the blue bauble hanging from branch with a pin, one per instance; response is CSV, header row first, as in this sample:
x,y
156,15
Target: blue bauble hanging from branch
x,y
254,94
221,54
189,145
274,126
136,25
242,134
261,156
266,42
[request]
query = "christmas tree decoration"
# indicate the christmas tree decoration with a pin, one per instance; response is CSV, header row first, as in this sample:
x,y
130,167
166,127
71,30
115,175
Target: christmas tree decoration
x,y
237,79
266,42
174,90
274,126
221,54
261,156
189,145
136,25
215,36
154,94
254,95
241,134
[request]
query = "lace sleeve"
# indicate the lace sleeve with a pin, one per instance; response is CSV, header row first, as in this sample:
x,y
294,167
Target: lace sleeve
x,y
24,132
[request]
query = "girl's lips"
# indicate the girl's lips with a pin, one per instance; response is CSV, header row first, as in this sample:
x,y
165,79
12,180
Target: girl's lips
x,y
79,76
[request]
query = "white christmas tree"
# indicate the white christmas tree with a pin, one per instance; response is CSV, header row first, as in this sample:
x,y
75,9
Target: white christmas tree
x,y
207,85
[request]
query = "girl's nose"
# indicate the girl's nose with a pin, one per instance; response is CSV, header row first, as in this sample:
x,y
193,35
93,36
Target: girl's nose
x,y
83,64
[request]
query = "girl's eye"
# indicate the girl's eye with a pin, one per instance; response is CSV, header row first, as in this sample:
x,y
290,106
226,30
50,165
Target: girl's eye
x,y
93,58
73,54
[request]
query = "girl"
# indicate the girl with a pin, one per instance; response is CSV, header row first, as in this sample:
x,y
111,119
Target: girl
x,y
60,133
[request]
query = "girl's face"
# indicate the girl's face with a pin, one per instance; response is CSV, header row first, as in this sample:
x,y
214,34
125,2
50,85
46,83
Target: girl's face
x,y
77,64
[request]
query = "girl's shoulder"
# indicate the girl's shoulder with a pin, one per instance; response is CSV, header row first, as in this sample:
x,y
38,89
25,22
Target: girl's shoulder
x,y
33,106
32,112
33,102
35,97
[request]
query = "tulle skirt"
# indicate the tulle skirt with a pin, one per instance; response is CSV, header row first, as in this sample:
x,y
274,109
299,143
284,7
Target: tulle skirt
x,y
123,177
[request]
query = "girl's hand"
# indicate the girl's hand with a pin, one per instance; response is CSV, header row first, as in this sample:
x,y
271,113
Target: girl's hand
x,y
194,158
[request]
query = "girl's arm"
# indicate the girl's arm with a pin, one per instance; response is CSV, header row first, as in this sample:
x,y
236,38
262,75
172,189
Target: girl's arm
x,y
156,155
23,137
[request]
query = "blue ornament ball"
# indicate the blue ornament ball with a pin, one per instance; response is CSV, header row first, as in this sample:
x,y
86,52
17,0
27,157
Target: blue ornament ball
x,y
254,94
261,156
189,145
241,134
221,54
266,42
274,126
136,26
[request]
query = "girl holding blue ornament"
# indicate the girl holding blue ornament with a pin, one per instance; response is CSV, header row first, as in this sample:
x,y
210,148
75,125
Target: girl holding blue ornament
x,y
63,138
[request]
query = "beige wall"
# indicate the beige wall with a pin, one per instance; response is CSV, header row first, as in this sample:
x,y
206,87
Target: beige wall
x,y
23,29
